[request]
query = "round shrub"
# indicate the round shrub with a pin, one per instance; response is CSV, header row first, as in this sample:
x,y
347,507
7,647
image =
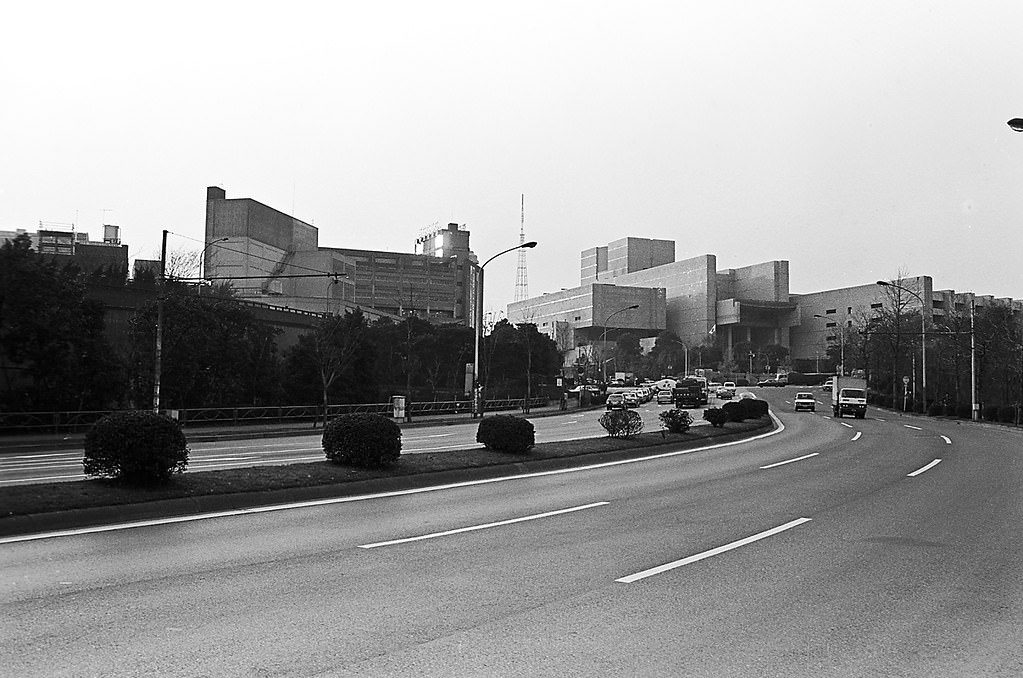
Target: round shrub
x,y
621,423
676,420
753,408
137,447
734,410
716,416
1006,414
362,440
506,433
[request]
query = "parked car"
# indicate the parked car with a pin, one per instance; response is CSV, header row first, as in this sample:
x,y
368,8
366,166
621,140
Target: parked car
x,y
631,399
664,397
804,401
616,401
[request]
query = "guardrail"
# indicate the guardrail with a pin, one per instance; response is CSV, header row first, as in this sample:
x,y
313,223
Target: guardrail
x,y
14,423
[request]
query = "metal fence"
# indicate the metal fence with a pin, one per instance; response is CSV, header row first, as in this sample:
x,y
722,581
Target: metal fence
x,y
13,423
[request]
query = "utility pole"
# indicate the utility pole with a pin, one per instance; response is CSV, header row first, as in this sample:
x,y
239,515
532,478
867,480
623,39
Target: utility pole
x,y
159,324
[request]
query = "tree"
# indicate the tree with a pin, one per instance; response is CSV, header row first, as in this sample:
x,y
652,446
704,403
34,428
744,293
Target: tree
x,y
53,352
214,353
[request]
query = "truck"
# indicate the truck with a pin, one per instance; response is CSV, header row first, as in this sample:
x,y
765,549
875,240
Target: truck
x,y
849,396
688,393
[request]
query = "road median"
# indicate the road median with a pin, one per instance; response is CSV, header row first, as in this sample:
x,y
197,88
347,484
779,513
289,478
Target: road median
x,y
53,506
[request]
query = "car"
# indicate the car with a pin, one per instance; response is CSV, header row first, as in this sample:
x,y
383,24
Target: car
x,y
664,397
631,399
826,386
804,401
747,395
770,382
616,401
726,391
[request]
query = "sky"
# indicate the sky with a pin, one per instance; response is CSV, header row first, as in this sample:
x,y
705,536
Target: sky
x,y
857,141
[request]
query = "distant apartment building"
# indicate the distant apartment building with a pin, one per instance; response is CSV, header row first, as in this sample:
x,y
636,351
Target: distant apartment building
x,y
71,246
273,257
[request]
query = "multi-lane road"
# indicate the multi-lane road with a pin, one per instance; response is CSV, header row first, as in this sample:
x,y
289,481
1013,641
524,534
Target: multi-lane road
x,y
877,547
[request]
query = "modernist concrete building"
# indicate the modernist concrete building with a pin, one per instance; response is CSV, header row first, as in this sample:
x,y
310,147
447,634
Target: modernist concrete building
x,y
699,302
270,256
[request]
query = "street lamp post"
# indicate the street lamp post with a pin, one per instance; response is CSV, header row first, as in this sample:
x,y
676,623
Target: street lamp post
x,y
202,255
923,338
603,337
477,405
841,364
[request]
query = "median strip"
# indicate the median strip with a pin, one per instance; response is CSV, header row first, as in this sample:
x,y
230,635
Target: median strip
x,y
485,526
712,552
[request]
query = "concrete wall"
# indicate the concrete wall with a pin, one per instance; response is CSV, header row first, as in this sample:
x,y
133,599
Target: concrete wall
x,y
690,294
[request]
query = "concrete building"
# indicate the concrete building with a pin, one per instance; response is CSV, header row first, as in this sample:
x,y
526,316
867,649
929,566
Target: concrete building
x,y
76,247
270,256
699,302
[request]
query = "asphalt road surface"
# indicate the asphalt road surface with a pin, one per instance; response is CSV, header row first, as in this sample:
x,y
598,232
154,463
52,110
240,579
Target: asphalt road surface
x,y
886,546
48,465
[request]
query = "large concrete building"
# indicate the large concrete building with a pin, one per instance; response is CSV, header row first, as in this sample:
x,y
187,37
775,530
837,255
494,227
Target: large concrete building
x,y
273,257
690,298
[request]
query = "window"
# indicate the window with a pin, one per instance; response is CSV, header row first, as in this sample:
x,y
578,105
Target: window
x,y
831,324
876,305
848,310
578,317
829,311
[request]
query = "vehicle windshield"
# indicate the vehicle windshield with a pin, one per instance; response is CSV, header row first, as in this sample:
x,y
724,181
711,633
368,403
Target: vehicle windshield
x,y
853,393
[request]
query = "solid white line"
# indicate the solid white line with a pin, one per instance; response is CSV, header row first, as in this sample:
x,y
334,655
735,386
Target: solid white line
x,y
782,463
948,441
383,495
880,419
921,470
857,436
915,428
845,424
713,552
485,526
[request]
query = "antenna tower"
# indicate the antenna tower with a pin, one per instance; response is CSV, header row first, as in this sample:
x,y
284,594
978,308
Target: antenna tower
x,y
521,284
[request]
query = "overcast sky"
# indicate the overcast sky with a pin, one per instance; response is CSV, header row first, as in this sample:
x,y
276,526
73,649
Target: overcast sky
x,y
856,140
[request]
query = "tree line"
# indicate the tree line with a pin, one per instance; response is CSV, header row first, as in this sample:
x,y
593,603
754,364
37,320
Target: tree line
x,y
55,354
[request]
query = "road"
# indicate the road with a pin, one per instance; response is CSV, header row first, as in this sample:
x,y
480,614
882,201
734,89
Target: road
x,y
877,547
46,464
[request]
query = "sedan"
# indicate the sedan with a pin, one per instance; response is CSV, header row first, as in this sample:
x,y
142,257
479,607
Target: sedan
x,y
665,398
804,401
631,399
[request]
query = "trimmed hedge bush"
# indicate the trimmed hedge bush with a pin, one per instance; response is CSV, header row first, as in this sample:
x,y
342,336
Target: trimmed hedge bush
x,y
137,447
676,420
362,440
506,433
734,410
621,423
716,416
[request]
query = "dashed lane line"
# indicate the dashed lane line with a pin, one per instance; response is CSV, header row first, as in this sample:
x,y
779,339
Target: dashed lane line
x,y
921,470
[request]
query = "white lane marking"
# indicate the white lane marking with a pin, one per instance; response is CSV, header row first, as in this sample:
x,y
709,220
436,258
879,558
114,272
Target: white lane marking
x,y
915,428
433,435
713,552
80,476
380,495
789,461
857,436
473,528
845,424
948,441
921,470
880,419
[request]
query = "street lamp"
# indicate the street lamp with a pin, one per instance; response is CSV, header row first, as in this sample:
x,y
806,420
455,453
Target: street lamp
x,y
332,280
842,338
477,405
923,337
603,338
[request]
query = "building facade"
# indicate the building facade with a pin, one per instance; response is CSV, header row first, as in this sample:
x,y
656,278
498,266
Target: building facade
x,y
270,256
